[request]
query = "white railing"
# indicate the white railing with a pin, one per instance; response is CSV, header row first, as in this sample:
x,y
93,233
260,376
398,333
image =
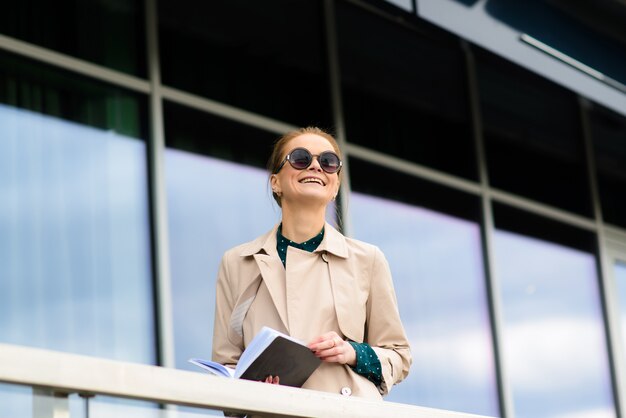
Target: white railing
x,y
63,373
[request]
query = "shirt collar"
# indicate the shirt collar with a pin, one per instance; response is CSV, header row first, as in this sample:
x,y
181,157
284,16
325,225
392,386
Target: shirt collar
x,y
309,245
334,242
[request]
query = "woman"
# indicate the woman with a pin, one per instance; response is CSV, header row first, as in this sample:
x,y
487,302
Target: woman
x,y
306,279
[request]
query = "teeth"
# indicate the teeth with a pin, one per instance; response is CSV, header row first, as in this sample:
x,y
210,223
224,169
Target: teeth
x,y
312,180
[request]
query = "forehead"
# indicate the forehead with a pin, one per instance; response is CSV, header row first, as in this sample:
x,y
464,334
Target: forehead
x,y
314,143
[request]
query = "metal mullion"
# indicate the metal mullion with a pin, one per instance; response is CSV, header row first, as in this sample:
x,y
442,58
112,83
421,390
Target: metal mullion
x,y
165,322
487,232
225,111
608,288
337,106
615,238
74,65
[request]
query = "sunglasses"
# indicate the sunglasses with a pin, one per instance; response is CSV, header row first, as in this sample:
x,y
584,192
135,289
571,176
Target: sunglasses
x,y
301,158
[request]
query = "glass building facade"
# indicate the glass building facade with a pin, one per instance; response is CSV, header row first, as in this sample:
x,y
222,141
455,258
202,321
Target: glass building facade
x,y
133,141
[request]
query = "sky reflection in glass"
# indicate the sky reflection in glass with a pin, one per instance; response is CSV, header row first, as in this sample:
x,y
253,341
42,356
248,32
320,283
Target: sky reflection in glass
x,y
213,205
436,264
620,279
75,272
554,342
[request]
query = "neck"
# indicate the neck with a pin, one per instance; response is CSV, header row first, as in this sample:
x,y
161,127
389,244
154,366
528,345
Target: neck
x,y
300,225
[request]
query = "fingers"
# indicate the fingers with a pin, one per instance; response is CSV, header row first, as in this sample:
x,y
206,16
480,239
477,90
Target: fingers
x,y
330,347
326,341
274,380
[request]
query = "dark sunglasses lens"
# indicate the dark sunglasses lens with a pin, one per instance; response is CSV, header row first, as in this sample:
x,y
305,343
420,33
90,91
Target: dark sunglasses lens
x,y
300,159
329,161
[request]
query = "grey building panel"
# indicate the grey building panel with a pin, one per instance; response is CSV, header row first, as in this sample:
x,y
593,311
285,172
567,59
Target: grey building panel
x,y
472,21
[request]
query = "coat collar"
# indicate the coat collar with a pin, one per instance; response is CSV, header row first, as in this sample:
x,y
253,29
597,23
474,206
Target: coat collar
x,y
271,271
334,242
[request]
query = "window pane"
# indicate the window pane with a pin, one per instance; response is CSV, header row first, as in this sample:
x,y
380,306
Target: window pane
x,y
202,190
75,263
381,181
106,32
608,131
42,89
202,133
554,339
403,4
404,91
532,135
443,304
620,279
267,57
20,401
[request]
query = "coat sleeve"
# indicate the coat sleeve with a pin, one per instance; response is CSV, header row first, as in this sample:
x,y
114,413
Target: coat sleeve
x,y
384,330
225,350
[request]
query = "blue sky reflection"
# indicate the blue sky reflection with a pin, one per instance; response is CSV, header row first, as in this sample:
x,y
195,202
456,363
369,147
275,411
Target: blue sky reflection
x,y
436,264
554,340
75,271
213,205
620,278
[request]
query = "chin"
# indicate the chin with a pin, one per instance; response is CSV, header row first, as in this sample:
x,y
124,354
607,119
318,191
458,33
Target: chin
x,y
316,197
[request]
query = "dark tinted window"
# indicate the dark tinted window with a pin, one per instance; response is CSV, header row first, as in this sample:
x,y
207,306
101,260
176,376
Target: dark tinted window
x,y
404,91
202,133
508,218
608,131
267,57
106,32
42,89
532,134
375,180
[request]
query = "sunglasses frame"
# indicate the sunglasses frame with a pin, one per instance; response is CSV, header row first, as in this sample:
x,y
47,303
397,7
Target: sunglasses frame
x,y
288,159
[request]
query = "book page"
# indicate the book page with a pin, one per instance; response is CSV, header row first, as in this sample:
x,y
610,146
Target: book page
x,y
213,367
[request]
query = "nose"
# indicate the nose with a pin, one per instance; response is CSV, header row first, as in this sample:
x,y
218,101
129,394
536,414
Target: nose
x,y
315,164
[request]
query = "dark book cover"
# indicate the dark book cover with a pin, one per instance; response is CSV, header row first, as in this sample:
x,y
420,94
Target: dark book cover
x,y
290,361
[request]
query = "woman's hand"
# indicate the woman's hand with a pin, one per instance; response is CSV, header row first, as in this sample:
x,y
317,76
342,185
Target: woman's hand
x,y
273,380
330,347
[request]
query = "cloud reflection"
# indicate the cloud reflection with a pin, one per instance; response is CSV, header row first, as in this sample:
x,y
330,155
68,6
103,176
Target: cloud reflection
x,y
75,268
555,347
436,263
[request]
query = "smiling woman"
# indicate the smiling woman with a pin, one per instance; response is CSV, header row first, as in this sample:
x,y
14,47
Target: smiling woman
x,y
314,173
326,291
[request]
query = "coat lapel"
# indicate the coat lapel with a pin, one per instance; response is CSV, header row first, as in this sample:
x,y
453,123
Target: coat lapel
x,y
271,269
334,251
344,284
272,273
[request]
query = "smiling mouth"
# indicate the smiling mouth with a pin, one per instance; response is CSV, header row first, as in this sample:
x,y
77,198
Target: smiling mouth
x,y
313,180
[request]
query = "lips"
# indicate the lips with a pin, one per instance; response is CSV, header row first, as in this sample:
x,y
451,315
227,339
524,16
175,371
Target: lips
x,y
313,180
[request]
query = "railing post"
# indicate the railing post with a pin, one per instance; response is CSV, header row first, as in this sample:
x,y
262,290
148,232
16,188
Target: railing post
x,y
50,404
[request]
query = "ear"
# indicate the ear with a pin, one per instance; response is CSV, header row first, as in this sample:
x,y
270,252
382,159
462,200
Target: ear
x,y
274,183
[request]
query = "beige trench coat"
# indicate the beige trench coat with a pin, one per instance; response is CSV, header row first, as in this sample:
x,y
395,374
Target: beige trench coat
x,y
359,300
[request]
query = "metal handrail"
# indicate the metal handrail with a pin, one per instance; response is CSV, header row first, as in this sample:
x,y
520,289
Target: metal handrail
x,y
71,373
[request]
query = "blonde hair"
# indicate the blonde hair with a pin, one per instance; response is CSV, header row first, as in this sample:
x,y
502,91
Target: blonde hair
x,y
276,158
